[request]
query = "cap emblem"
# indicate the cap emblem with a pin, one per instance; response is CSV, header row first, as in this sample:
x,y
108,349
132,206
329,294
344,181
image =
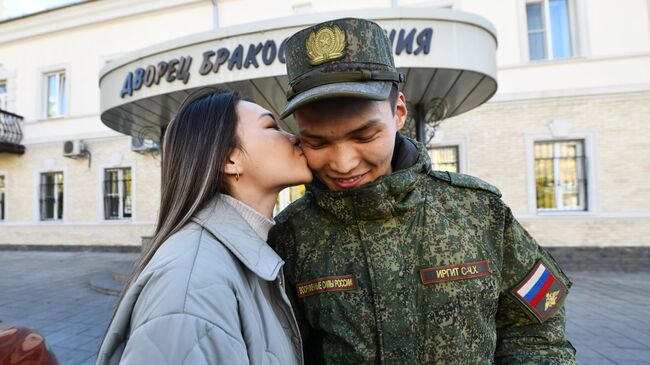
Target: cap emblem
x,y
325,44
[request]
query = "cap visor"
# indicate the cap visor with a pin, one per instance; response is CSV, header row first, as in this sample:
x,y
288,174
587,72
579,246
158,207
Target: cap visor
x,y
372,90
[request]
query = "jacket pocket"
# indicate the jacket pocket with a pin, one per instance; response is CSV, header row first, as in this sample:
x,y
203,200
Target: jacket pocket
x,y
339,311
458,298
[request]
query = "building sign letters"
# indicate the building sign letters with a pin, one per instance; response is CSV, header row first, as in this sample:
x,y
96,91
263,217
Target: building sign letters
x,y
253,55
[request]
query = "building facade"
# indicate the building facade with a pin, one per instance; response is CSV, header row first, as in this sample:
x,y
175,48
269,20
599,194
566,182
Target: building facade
x,y
564,138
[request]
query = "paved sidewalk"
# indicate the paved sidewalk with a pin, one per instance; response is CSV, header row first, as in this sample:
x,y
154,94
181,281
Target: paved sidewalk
x,y
609,315
608,318
49,292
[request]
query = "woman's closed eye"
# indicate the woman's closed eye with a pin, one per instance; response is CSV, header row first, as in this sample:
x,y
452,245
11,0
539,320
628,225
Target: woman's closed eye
x,y
271,122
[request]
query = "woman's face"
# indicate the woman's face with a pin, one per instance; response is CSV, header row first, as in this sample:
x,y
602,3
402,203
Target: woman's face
x,y
272,158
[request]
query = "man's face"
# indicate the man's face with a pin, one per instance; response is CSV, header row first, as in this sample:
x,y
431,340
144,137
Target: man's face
x,y
350,144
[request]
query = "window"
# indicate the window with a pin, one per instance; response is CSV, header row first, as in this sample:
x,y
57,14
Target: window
x,y
3,95
549,29
51,196
560,176
2,197
55,94
118,195
445,158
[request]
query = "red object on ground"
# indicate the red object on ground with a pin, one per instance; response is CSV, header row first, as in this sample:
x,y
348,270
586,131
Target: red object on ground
x,y
22,346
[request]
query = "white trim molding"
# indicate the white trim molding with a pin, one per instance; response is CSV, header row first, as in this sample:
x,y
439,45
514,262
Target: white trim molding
x,y
591,161
81,14
106,134
79,223
586,216
619,92
580,29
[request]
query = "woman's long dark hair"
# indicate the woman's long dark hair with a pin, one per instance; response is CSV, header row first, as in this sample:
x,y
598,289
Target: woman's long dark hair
x,y
196,147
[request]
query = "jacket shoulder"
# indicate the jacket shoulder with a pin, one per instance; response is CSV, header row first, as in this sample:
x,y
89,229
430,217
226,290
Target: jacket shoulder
x,y
465,181
182,266
178,286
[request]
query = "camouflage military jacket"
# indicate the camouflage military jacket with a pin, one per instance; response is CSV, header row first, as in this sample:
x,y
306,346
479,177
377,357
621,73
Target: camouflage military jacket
x,y
420,267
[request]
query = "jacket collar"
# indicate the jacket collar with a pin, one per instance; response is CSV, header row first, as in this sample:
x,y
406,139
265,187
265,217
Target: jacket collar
x,y
230,228
388,196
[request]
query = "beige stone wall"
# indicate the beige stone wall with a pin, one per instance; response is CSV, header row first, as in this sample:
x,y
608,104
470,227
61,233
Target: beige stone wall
x,y
83,222
589,231
499,133
111,234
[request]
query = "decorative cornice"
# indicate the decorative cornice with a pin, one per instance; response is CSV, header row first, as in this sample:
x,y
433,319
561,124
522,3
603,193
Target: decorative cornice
x,y
91,12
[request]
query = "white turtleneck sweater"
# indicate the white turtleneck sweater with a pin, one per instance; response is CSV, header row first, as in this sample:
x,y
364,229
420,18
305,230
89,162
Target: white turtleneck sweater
x,y
260,224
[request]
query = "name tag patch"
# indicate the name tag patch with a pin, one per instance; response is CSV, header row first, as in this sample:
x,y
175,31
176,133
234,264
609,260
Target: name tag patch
x,y
332,283
541,292
454,272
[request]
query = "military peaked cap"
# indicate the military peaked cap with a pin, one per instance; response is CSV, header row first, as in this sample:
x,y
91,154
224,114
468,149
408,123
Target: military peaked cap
x,y
346,57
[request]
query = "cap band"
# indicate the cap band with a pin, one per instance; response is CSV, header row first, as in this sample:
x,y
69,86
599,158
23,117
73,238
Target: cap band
x,y
318,78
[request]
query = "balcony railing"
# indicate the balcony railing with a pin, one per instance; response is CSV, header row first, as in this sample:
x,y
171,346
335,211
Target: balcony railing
x,y
11,135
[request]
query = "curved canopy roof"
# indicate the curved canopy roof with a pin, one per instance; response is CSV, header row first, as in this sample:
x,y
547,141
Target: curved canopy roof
x,y
448,57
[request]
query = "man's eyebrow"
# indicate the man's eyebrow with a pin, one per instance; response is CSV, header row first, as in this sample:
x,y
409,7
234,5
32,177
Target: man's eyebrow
x,y
367,125
305,133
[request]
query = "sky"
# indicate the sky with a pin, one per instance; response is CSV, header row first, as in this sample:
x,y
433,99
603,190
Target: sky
x,y
17,8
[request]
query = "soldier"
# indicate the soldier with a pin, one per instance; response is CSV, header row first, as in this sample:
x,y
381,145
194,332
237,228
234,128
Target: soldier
x,y
388,261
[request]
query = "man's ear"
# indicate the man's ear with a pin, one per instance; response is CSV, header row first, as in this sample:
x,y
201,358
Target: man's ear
x,y
400,111
234,165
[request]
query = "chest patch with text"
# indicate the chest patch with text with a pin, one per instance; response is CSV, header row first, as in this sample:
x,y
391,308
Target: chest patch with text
x,y
454,272
332,283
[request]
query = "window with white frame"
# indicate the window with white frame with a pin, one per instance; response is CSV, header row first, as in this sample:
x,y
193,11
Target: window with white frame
x,y
3,191
3,94
560,176
55,94
118,194
549,29
51,196
445,158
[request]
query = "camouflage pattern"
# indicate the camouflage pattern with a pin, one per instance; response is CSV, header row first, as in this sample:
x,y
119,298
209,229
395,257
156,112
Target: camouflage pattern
x,y
365,67
383,234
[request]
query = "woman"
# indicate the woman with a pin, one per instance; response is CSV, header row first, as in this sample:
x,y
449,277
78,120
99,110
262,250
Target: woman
x,y
210,290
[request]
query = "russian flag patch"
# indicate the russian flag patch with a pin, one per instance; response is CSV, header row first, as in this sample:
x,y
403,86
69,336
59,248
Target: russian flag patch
x,y
541,292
